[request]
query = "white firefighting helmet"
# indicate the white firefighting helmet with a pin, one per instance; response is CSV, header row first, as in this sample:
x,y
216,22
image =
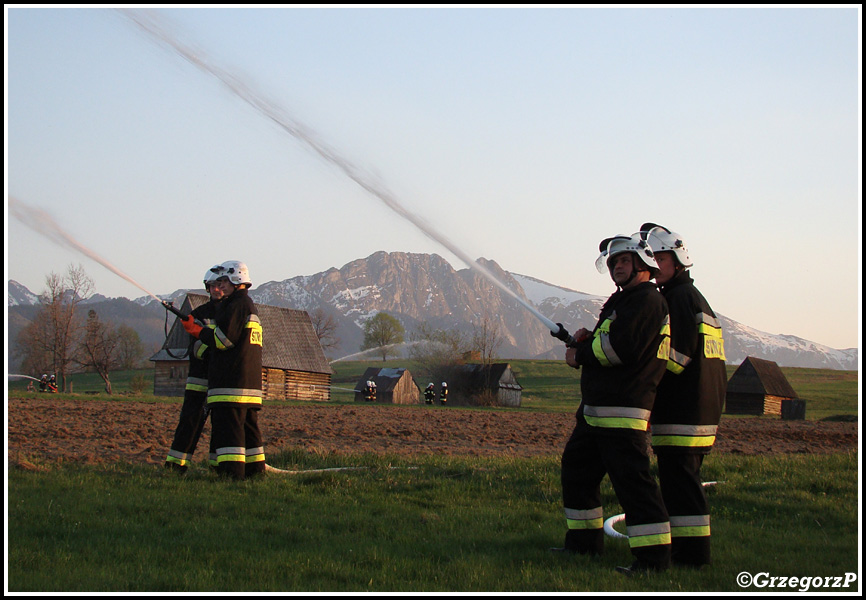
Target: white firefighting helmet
x,y
236,271
444,384
212,275
611,247
662,239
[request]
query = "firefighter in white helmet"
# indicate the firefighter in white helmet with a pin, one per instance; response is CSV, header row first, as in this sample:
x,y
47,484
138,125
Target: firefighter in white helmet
x,y
623,360
690,398
443,393
234,394
193,413
429,394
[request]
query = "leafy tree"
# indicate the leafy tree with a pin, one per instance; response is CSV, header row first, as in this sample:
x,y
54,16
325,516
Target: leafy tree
x,y
129,348
382,331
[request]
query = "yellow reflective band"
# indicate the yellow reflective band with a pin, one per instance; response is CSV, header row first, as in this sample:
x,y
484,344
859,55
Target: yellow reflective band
x,y
649,534
664,349
585,523
195,387
623,417
617,422
229,398
176,456
222,342
701,531
240,395
200,349
230,458
659,539
599,353
684,440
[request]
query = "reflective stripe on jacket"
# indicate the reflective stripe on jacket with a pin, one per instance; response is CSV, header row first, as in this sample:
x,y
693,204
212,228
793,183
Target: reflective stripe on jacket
x,y
691,394
625,358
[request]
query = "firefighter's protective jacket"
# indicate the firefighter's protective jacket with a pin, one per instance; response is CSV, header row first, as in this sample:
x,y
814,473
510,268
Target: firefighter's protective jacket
x,y
235,371
624,360
199,352
691,395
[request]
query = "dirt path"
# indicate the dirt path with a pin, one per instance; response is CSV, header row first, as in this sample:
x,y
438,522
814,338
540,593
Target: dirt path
x,y
43,429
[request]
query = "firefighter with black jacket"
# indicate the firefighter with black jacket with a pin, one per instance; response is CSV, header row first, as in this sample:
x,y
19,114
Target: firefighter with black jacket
x,y
234,393
193,413
690,398
429,394
623,361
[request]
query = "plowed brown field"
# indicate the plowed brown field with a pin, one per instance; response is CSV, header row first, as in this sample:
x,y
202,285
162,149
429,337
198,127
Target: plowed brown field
x,y
48,430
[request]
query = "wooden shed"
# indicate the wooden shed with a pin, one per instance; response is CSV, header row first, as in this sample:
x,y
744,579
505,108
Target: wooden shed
x,y
394,386
758,387
493,384
294,366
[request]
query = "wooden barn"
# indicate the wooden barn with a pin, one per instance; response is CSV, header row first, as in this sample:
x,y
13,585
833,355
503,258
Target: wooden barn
x,y
493,384
394,386
294,366
758,387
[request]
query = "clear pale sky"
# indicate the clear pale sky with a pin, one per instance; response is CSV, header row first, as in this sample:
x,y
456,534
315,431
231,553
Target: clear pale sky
x,y
524,134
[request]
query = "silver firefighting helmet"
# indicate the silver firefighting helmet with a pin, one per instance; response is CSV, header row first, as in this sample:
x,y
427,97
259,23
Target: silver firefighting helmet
x,y
236,271
212,274
662,239
613,246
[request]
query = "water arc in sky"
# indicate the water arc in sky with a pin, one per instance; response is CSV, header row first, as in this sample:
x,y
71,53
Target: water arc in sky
x,y
158,30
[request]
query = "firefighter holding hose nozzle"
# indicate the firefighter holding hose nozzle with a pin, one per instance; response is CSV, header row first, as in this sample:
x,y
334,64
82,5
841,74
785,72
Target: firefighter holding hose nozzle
x,y
234,393
193,413
623,360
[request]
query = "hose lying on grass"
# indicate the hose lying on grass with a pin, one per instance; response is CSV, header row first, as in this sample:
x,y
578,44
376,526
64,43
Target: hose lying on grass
x,y
609,524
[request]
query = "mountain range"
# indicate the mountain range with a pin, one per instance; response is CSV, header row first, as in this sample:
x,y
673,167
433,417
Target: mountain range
x,y
425,288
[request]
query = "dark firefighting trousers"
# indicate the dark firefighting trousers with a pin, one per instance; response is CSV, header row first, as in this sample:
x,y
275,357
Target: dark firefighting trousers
x,y
188,432
237,440
589,455
686,502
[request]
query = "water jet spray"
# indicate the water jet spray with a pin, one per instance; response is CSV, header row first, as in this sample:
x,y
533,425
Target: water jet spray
x,y
42,223
159,32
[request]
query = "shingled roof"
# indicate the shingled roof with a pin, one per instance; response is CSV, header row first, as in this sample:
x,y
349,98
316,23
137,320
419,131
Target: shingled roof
x,y
758,376
289,339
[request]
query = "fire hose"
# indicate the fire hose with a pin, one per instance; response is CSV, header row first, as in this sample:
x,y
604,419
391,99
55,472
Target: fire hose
x,y
609,524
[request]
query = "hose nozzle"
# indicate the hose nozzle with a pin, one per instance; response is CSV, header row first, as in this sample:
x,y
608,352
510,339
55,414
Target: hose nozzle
x,y
171,308
564,336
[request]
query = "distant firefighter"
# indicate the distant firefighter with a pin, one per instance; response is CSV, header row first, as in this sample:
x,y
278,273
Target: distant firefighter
x,y
443,394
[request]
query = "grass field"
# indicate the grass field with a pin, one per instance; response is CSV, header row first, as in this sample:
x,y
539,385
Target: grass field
x,y
418,524
428,524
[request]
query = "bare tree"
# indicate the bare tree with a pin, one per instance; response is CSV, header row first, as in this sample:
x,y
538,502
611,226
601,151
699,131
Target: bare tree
x,y
486,339
325,326
52,337
437,352
97,350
